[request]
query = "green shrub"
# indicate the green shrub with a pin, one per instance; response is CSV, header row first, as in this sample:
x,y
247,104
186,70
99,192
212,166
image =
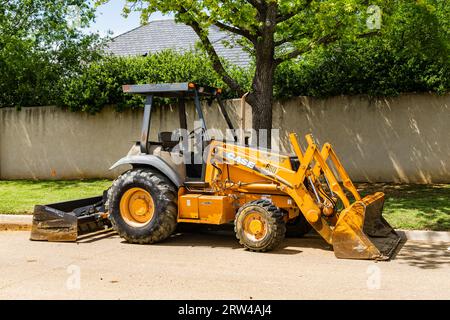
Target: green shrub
x,y
101,83
411,55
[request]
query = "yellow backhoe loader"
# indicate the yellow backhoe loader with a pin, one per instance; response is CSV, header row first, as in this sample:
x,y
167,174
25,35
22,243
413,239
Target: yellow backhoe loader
x,y
263,193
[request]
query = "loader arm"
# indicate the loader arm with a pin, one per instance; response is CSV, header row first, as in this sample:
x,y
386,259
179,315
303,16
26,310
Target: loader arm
x,y
289,181
328,152
358,231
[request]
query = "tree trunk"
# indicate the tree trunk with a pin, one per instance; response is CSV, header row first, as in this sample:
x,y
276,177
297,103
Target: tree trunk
x,y
261,100
261,97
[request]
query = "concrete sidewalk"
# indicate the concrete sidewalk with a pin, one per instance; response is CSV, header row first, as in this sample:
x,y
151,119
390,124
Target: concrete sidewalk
x,y
23,222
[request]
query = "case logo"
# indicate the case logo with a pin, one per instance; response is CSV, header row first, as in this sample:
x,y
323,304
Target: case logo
x,y
240,160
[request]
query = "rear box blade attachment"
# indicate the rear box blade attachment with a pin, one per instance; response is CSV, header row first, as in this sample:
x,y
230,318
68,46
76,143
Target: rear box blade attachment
x,y
362,233
66,221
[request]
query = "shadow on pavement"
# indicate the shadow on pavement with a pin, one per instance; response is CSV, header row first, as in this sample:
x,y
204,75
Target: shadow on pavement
x,y
97,236
216,237
425,255
224,237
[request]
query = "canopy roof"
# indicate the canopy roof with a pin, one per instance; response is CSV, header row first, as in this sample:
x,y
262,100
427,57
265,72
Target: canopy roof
x,y
168,90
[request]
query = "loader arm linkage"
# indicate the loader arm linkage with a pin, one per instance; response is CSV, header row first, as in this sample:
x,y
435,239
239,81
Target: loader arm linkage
x,y
358,231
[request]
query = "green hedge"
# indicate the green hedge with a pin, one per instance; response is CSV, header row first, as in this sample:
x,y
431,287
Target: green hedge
x,y
101,83
411,55
366,68
354,70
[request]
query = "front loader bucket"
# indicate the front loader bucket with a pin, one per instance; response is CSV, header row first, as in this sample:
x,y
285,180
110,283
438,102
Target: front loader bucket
x,y
65,221
361,232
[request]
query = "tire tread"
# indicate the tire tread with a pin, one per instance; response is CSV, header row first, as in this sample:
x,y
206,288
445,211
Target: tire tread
x,y
167,220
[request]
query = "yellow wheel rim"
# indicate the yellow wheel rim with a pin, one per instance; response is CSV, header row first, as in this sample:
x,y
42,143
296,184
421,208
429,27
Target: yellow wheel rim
x,y
137,207
255,226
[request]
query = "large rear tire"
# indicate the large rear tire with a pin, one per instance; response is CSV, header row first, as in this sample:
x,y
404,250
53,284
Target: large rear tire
x,y
259,226
143,206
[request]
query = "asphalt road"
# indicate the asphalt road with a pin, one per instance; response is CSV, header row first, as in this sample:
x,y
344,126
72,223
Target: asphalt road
x,y
213,266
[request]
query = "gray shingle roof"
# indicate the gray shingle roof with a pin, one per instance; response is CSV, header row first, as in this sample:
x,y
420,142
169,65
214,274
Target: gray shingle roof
x,y
167,34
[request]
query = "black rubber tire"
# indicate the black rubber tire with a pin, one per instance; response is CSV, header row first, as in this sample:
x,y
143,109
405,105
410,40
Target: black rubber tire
x,y
298,227
276,226
164,195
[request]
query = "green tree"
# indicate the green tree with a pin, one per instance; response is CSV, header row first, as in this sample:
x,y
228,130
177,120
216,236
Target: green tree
x,y
40,43
411,55
273,31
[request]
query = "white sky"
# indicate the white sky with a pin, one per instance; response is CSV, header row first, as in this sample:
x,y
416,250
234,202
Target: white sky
x,y
109,18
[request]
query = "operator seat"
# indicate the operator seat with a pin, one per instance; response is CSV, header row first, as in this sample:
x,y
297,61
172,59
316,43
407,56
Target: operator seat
x,y
165,138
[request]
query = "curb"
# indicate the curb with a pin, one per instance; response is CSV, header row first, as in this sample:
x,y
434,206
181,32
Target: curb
x,y
15,222
430,236
23,223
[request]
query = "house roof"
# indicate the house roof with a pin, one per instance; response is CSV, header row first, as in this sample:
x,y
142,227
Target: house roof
x,y
167,34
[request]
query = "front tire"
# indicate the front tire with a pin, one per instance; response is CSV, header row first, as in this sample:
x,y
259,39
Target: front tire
x,y
259,226
143,206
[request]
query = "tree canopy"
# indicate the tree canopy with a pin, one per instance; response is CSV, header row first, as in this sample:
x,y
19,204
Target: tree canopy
x,y
292,27
411,54
277,31
344,47
40,43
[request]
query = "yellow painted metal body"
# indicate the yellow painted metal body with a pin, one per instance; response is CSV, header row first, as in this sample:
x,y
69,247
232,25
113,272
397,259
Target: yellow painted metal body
x,y
188,206
238,174
207,209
